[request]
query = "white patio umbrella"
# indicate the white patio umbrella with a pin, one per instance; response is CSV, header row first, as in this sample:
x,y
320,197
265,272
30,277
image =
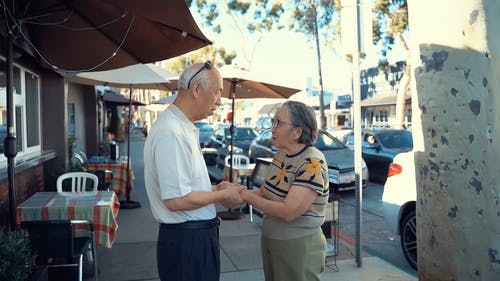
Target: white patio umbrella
x,y
139,76
166,100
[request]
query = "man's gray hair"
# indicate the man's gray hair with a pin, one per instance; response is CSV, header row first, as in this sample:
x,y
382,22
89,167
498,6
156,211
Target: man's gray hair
x,y
188,73
303,116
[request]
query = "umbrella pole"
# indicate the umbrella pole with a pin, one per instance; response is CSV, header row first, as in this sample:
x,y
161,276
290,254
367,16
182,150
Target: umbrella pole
x,y
129,204
228,215
10,149
232,130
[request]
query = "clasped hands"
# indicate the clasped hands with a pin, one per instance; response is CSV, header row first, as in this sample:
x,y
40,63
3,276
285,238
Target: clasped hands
x,y
232,195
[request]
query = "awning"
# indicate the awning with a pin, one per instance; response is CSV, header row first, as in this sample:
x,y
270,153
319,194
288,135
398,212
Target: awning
x,y
111,97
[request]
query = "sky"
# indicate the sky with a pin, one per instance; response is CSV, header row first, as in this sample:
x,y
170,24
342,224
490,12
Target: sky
x,y
286,57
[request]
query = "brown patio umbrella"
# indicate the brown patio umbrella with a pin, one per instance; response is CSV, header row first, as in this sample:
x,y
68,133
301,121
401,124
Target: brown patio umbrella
x,y
89,35
240,83
86,35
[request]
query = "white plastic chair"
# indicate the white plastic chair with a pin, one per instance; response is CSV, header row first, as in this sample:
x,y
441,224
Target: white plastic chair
x,y
239,160
78,181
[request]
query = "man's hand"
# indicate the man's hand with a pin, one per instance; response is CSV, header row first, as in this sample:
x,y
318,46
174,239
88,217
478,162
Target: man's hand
x,y
231,194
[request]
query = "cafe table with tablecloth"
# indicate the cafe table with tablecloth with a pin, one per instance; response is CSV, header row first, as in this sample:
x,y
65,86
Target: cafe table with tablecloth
x,y
119,169
100,208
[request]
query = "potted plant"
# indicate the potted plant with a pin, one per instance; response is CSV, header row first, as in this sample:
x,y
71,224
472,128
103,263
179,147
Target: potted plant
x,y
16,260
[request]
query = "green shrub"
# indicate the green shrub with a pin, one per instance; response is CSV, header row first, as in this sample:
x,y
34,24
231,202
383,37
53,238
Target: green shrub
x,y
16,259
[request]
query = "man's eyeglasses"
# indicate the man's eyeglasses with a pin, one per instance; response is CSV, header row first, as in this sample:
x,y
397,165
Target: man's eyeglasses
x,y
207,65
276,123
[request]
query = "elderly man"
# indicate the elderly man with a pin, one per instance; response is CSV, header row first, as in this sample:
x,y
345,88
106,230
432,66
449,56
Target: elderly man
x,y
177,183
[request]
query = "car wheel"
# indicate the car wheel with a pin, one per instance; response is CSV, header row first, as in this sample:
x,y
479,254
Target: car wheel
x,y
409,238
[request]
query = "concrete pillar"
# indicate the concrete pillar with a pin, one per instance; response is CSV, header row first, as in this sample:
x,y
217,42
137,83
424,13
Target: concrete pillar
x,y
455,50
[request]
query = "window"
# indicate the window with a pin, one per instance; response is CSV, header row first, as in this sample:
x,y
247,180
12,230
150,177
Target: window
x,y
71,120
26,110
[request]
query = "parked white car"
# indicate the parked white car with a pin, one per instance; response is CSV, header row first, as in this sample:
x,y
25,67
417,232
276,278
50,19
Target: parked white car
x,y
399,197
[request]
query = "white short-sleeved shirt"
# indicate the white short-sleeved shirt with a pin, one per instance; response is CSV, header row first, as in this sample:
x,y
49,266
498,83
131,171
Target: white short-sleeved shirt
x,y
174,166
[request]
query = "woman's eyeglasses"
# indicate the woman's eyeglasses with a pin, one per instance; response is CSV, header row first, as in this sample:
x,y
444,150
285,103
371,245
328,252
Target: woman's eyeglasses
x,y
276,122
207,65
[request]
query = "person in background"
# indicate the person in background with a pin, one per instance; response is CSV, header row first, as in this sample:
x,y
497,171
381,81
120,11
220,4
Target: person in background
x,y
177,183
371,139
293,198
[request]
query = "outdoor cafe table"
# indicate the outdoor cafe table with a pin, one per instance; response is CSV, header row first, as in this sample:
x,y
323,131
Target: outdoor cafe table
x,y
100,208
119,169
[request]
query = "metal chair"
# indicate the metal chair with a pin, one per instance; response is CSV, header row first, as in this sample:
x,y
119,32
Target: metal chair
x,y
55,239
105,179
79,182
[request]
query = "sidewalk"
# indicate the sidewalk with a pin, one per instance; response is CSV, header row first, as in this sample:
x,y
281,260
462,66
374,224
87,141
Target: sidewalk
x,y
133,255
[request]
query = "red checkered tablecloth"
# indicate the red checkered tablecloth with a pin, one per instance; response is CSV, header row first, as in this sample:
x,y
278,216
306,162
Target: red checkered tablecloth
x,y
119,169
101,208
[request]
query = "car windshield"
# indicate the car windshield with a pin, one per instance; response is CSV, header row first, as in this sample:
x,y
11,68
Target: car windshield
x,y
203,126
327,142
242,133
396,139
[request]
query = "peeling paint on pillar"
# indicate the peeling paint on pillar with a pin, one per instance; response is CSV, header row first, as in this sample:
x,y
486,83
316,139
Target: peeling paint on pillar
x,y
475,106
453,212
492,253
456,97
476,184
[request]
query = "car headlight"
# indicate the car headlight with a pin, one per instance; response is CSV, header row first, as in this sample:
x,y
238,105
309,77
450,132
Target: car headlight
x,y
235,149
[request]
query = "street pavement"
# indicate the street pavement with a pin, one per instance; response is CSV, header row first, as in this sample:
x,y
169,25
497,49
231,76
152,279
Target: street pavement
x,y
133,255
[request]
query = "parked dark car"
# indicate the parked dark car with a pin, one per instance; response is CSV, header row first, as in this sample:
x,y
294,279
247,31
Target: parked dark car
x,y
205,132
379,153
243,136
340,158
221,140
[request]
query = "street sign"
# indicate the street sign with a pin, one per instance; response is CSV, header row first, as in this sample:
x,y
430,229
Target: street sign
x,y
343,101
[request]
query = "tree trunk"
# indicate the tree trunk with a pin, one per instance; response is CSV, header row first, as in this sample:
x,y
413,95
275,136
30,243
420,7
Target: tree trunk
x,y
404,83
456,103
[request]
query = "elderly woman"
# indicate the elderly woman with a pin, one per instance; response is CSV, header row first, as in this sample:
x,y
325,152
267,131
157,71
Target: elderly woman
x,y
293,198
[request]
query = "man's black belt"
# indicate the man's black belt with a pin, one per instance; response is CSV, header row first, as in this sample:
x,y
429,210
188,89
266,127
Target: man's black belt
x,y
199,224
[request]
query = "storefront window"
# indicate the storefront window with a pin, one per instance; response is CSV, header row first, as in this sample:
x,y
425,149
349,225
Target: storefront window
x,y
26,109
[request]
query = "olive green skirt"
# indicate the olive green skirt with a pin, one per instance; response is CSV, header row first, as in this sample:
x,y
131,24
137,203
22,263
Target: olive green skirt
x,y
301,259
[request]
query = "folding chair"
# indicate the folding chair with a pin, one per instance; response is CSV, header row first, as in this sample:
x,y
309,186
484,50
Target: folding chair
x,y
55,239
